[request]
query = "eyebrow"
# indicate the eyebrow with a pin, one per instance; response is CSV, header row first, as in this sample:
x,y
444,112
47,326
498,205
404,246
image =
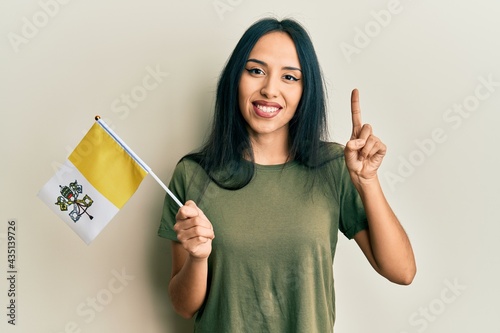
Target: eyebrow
x,y
290,68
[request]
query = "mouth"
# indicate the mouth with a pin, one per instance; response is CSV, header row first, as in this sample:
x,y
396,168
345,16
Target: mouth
x,y
266,109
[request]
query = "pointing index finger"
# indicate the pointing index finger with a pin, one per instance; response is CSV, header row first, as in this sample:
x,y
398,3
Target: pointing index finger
x,y
356,113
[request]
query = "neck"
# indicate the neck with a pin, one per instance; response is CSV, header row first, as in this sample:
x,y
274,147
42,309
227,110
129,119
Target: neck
x,y
270,149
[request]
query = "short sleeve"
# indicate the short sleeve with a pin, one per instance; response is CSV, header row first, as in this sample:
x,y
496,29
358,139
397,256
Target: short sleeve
x,y
170,208
352,212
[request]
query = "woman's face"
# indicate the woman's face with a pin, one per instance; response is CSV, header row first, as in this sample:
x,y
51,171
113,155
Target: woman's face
x,y
271,86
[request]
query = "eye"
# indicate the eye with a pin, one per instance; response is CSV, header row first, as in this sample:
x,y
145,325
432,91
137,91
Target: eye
x,y
289,77
255,71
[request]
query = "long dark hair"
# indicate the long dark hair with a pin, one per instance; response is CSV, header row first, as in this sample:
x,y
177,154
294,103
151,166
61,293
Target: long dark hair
x,y
225,154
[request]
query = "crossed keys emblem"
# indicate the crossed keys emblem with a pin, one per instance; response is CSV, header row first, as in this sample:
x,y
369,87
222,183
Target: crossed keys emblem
x,y
69,197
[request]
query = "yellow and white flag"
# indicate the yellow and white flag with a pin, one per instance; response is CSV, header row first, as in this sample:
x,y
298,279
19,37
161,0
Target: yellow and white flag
x,y
98,178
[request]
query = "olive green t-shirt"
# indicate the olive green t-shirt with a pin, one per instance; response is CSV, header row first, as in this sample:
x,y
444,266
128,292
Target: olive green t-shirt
x,y
270,269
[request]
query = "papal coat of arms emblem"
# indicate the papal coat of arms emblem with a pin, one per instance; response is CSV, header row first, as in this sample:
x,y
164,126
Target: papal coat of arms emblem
x,y
69,198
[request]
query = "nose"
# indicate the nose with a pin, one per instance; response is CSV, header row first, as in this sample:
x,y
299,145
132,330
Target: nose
x,y
270,89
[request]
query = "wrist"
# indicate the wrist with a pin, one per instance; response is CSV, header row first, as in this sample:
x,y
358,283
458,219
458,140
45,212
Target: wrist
x,y
365,184
197,260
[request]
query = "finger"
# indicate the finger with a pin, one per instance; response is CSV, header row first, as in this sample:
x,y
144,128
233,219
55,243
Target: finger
x,y
371,143
379,149
355,145
365,132
373,147
355,113
191,203
193,245
192,222
200,213
187,211
195,232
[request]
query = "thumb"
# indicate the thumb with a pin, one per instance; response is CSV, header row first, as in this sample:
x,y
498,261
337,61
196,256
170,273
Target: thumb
x,y
189,210
192,204
355,145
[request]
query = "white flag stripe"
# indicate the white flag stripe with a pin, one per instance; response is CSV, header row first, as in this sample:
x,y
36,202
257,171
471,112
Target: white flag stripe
x,y
101,209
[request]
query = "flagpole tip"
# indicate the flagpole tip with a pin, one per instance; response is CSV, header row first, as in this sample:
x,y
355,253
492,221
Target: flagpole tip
x,y
97,117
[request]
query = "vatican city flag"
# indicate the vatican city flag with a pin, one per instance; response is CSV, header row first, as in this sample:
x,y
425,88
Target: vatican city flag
x,y
99,177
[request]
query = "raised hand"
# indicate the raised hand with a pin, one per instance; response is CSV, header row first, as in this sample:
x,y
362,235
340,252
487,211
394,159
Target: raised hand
x,y
364,152
194,231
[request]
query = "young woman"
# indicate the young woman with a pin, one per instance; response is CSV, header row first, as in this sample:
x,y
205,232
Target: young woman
x,y
265,196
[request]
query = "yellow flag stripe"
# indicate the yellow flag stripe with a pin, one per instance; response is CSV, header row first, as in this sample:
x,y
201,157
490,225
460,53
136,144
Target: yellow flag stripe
x,y
109,168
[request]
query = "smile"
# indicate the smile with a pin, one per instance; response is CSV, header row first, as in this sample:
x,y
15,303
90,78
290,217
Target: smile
x,y
266,109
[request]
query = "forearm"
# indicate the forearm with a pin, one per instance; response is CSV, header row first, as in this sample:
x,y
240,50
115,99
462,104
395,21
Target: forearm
x,y
188,287
390,246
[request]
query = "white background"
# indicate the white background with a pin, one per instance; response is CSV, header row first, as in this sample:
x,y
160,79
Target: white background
x,y
413,69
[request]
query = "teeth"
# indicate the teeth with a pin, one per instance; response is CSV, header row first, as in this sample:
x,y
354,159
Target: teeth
x,y
267,109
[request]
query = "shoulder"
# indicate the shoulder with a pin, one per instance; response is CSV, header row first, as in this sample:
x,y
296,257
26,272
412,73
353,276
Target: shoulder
x,y
330,153
332,149
188,164
190,179
189,168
